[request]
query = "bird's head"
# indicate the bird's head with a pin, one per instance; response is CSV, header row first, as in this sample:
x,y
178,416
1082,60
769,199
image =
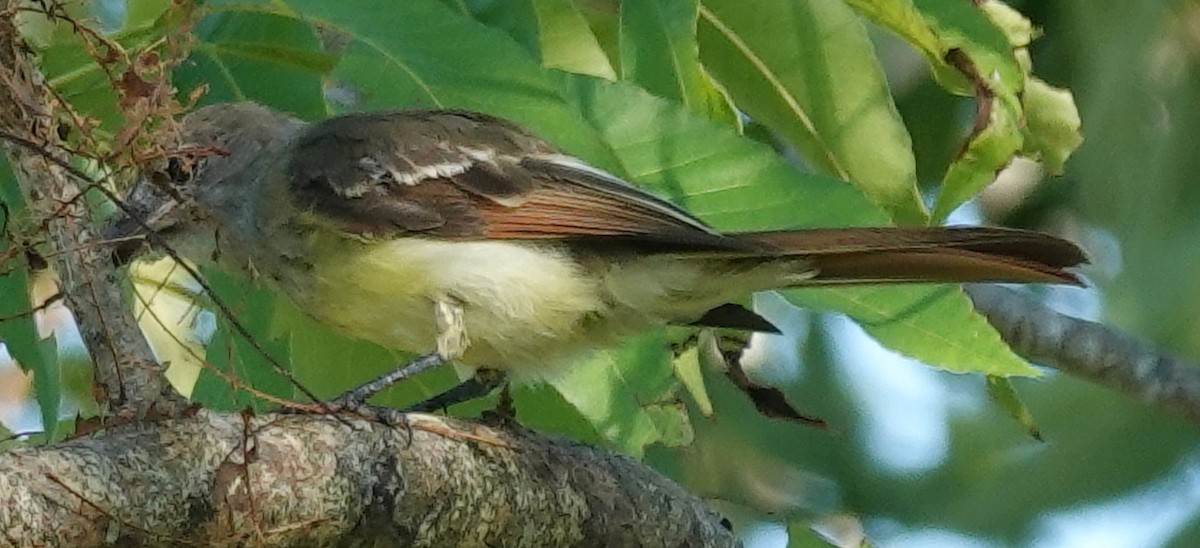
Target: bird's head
x,y
203,184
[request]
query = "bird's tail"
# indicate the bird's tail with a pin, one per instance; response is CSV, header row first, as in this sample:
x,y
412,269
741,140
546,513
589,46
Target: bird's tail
x,y
936,254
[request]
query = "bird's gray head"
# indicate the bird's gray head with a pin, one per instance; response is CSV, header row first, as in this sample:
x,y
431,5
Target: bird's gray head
x,y
225,150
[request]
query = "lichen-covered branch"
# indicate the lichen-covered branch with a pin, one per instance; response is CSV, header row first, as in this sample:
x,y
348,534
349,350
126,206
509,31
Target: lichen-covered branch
x,y
312,480
132,382
1091,351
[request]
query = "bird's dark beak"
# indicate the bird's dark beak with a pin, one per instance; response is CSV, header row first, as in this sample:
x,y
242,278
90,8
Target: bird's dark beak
x,y
145,211
128,238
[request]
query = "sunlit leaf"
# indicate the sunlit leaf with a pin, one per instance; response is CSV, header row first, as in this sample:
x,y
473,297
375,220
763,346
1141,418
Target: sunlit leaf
x,y
935,27
995,140
604,16
566,40
934,324
1052,124
172,316
807,70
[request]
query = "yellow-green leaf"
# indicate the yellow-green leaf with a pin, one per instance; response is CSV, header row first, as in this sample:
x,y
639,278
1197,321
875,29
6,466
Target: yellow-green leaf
x,y
567,41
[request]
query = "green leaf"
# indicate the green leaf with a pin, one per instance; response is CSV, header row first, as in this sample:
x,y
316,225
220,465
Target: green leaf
x,y
1052,125
807,70
541,407
801,534
728,180
566,40
1019,30
934,324
688,370
254,55
256,365
329,362
935,27
981,51
659,52
73,72
401,57
515,17
604,16
627,394
11,198
1002,392
242,53
18,332
993,143
18,327
140,13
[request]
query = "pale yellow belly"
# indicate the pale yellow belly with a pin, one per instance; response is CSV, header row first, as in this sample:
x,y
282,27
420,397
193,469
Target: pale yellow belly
x,y
528,308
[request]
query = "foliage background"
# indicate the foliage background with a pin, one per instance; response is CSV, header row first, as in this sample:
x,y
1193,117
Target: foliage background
x,y
919,456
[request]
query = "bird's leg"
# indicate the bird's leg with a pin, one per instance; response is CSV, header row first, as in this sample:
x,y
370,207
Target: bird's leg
x,y
356,397
484,381
451,343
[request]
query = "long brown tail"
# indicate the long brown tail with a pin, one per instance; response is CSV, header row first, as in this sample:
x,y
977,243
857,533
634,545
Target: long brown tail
x,y
937,254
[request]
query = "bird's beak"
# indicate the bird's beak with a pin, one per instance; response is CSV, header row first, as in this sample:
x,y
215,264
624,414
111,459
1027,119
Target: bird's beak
x,y
127,238
145,212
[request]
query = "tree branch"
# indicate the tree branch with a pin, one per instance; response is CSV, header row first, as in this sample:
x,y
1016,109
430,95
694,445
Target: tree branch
x,y
313,480
1091,351
126,370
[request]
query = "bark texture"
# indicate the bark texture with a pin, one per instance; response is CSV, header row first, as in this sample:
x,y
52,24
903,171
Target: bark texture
x,y
308,480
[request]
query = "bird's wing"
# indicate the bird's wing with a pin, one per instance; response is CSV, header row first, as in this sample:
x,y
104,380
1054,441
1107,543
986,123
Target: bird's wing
x,y
463,175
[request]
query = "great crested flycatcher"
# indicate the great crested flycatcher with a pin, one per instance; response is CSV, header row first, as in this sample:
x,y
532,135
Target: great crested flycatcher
x,y
460,232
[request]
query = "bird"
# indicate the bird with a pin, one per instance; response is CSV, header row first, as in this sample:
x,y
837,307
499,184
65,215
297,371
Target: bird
x,y
461,234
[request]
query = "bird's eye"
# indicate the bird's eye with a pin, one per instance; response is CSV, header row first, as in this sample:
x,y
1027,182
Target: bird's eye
x,y
179,169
